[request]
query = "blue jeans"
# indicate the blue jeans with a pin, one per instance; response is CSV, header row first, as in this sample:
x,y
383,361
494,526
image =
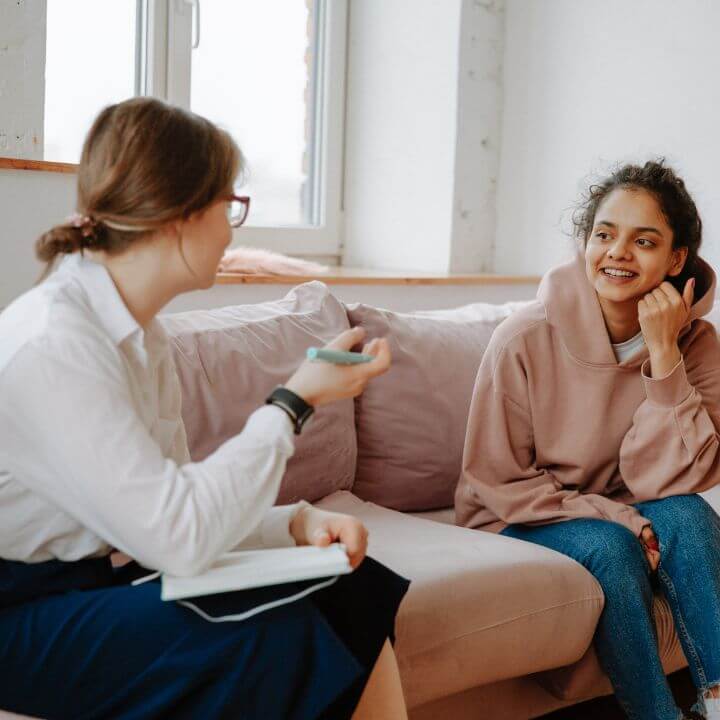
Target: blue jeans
x,y
688,531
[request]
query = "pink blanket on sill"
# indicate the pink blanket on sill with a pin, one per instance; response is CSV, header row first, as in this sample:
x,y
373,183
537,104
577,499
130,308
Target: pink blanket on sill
x,y
254,261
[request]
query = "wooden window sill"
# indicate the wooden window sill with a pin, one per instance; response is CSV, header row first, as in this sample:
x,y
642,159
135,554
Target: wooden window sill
x,y
363,276
42,165
335,276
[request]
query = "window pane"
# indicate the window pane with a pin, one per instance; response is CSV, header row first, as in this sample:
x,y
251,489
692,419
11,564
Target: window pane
x,y
90,63
250,75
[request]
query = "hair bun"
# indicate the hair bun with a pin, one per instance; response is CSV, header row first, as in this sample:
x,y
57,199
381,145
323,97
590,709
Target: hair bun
x,y
60,240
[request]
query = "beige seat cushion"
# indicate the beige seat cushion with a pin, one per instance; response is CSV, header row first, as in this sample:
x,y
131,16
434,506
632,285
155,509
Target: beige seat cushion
x,y
481,607
584,679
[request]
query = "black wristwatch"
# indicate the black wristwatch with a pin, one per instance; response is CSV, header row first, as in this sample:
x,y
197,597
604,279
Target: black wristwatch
x,y
296,408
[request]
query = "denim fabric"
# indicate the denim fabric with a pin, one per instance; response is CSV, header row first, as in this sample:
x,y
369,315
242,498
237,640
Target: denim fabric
x,y
688,531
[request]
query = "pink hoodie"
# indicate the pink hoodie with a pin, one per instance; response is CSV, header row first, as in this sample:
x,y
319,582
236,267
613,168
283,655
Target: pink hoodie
x,y
559,430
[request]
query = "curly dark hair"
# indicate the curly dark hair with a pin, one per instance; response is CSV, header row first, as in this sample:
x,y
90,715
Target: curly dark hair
x,y
673,198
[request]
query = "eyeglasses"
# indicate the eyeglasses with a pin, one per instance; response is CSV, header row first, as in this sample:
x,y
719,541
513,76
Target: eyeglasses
x,y
238,208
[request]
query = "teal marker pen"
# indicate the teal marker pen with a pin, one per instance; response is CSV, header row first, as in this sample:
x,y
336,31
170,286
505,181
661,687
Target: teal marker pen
x,y
338,357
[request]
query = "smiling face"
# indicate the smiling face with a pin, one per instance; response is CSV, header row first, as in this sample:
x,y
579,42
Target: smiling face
x,y
629,250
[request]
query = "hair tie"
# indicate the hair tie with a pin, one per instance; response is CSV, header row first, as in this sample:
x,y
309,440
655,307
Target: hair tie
x,y
86,223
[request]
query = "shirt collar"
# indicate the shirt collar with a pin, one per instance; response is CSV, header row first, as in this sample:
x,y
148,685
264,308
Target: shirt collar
x,y
103,296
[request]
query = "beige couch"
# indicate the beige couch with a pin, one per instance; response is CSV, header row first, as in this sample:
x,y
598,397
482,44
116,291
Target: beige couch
x,y
491,627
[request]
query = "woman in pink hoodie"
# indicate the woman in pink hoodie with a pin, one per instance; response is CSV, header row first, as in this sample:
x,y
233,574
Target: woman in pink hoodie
x,y
594,424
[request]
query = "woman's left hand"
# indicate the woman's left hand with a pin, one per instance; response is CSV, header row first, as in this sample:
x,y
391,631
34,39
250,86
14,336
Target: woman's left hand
x,y
662,314
651,547
312,526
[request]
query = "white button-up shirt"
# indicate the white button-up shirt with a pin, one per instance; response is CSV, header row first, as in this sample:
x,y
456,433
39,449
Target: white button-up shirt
x,y
93,452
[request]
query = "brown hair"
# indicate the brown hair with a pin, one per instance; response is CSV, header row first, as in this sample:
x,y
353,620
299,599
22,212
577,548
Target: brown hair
x,y
144,164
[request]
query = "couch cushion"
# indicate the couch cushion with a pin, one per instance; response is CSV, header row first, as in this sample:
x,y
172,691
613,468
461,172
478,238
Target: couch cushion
x,y
229,360
411,422
481,607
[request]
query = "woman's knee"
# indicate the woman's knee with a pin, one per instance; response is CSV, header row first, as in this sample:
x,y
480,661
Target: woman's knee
x,y
616,558
685,519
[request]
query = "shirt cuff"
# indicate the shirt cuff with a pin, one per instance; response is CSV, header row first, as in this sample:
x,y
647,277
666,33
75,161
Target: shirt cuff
x,y
668,391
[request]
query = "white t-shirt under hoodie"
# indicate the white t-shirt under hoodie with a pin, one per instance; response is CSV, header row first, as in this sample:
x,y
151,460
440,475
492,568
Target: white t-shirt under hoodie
x,y
625,350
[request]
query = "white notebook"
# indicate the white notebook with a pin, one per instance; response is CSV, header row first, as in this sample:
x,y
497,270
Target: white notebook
x,y
245,569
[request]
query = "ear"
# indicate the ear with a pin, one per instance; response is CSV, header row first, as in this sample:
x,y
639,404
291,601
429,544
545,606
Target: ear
x,y
677,261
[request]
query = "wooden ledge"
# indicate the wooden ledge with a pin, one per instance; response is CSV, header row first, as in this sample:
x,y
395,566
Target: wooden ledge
x,y
43,165
363,276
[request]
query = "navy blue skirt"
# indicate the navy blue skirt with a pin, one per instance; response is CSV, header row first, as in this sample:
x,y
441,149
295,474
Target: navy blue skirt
x,y
78,641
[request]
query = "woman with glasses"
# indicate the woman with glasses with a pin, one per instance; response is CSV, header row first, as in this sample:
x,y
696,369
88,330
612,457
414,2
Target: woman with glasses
x,y
94,458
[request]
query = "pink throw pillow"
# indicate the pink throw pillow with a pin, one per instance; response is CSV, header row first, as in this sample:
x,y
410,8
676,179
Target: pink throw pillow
x,y
411,422
230,359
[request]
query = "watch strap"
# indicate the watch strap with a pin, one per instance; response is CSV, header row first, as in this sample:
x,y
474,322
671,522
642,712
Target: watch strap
x,y
294,406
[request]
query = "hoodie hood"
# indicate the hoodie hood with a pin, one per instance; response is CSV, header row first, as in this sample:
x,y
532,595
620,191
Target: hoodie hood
x,y
573,309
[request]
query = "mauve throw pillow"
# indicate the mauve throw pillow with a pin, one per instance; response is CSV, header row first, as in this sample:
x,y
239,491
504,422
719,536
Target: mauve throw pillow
x,y
230,359
411,422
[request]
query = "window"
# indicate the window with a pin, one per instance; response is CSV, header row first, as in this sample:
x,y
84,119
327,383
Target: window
x,y
252,79
85,69
271,73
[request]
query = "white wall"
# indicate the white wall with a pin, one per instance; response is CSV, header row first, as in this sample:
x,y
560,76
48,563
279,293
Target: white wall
x,y
479,132
400,133
590,83
422,134
30,203
22,78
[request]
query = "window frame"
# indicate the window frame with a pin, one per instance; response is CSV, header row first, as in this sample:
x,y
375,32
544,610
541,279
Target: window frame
x,y
164,51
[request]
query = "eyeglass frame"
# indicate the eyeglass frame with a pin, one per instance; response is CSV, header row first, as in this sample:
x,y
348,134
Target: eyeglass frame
x,y
244,200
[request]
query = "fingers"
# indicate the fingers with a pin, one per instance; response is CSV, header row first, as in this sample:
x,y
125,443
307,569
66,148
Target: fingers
x,y
321,537
652,544
651,303
335,527
664,300
649,539
651,547
689,293
669,291
347,339
353,534
653,558
380,349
